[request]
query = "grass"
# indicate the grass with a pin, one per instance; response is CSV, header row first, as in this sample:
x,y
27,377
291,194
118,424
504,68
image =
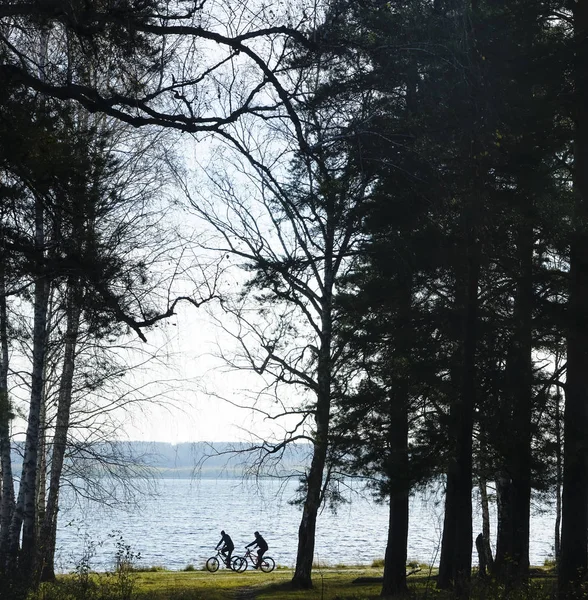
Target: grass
x,y
199,585
329,584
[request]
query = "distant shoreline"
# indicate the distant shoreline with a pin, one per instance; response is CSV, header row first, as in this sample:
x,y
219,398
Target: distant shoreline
x,y
205,460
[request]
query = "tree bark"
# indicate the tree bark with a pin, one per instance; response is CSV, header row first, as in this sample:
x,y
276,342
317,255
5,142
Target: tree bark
x,y
574,544
558,469
7,490
504,526
486,524
512,561
307,530
396,546
395,558
44,568
456,546
522,380
398,460
24,517
41,479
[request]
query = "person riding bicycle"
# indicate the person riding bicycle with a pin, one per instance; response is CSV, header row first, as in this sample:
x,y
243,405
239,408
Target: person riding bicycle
x,y
261,544
227,549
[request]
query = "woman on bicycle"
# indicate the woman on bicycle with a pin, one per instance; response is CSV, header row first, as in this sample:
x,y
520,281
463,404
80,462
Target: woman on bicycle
x,y
261,544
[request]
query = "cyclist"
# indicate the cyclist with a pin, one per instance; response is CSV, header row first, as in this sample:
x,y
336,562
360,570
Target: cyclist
x,y
228,547
261,544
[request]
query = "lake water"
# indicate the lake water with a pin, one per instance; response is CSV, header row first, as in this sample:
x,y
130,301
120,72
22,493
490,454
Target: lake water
x,y
180,524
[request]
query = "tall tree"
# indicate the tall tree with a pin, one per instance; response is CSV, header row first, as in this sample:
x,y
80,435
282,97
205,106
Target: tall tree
x,y
573,564
294,231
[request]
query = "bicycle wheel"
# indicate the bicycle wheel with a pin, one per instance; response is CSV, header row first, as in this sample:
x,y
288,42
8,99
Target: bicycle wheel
x,y
268,564
238,563
212,564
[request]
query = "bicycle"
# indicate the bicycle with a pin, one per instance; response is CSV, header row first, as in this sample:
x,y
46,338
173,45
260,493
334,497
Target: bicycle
x,y
214,562
268,564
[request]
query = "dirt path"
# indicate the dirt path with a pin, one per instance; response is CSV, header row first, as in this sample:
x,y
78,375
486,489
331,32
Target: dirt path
x,y
244,593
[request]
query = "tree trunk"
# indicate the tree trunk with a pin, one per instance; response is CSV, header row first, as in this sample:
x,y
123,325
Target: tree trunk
x,y
398,459
574,551
25,514
486,524
446,562
306,532
395,557
396,547
558,469
522,374
504,526
44,568
7,489
456,546
41,480
512,564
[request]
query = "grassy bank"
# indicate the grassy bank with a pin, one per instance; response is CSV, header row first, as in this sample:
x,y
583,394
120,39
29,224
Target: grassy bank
x,y
352,583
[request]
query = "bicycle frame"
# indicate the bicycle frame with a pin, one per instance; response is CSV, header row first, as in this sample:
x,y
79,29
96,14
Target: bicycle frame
x,y
267,562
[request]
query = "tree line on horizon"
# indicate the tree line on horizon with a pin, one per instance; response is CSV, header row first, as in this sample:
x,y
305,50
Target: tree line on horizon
x,y
184,459
399,190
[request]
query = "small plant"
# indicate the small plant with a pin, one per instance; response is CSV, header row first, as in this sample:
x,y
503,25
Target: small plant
x,y
378,563
84,587
189,567
125,572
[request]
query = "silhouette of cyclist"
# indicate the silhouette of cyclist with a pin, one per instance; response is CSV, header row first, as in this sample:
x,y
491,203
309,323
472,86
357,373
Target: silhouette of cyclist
x,y
227,549
261,544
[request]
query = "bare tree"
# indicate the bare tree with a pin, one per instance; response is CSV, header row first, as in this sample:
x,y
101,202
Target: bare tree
x,y
196,67
292,225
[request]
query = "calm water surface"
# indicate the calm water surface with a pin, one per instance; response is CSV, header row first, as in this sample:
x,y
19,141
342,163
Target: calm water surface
x,y
181,523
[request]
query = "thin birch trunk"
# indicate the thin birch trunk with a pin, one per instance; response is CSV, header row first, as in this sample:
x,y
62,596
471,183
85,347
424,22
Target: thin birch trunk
x,y
7,501
41,467
25,514
44,568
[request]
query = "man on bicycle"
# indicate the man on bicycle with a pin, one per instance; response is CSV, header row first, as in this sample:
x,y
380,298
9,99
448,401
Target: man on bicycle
x,y
228,547
261,544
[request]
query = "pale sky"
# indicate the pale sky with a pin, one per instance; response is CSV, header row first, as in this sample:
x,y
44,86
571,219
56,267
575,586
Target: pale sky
x,y
198,377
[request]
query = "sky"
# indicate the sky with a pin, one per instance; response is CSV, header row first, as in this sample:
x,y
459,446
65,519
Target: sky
x,y
199,377
195,408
